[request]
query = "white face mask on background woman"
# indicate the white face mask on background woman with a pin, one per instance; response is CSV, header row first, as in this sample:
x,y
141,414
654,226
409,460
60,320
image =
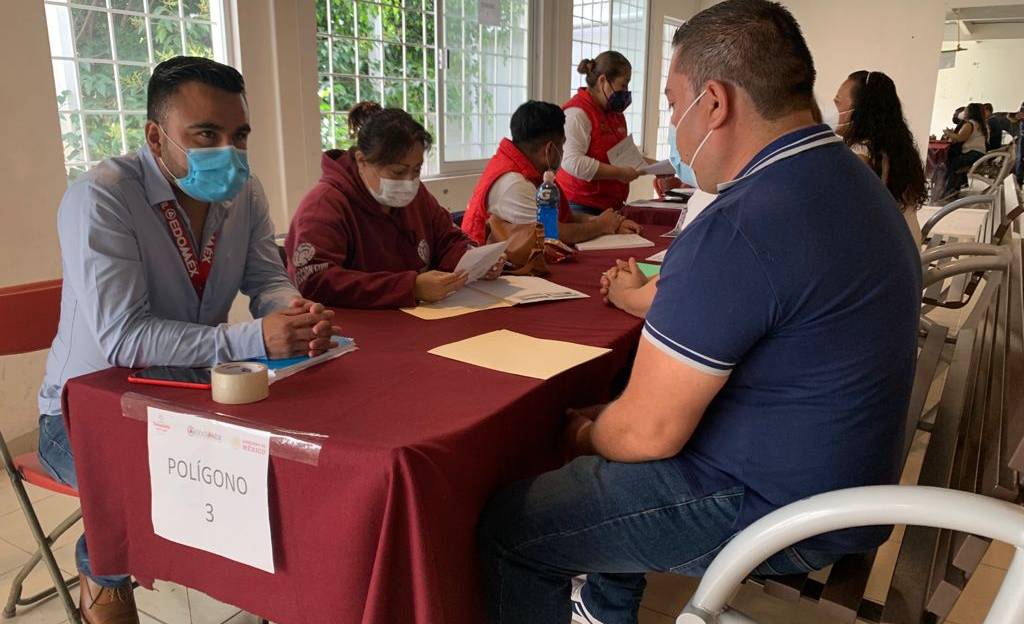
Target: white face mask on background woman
x,y
833,117
396,193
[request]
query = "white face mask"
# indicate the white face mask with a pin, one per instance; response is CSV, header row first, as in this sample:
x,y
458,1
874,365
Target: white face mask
x,y
832,116
396,193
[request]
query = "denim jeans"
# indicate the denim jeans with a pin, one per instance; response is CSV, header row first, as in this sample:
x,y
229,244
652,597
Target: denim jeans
x,y
584,210
1019,169
55,456
613,522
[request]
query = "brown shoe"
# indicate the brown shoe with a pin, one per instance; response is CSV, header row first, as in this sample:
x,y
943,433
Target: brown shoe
x,y
107,605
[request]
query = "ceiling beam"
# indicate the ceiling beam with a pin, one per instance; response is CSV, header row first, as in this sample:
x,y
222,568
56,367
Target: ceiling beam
x,y
986,31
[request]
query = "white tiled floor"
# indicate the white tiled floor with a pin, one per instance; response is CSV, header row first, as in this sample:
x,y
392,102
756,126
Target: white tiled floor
x,y
173,604
167,604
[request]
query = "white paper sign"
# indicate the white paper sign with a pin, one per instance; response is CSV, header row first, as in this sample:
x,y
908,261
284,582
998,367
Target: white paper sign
x,y
625,153
489,13
477,261
209,486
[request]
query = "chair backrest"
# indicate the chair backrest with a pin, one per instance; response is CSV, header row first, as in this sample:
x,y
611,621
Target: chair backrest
x,y
991,169
29,315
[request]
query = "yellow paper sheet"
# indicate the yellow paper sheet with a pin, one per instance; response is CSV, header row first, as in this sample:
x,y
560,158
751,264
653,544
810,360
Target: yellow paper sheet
x,y
504,292
464,301
519,354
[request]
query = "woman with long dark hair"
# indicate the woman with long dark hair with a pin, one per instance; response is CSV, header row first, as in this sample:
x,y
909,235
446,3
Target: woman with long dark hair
x,y
875,130
973,138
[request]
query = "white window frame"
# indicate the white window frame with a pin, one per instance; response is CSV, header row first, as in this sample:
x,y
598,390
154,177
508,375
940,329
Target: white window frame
x,y
663,109
431,164
222,9
453,168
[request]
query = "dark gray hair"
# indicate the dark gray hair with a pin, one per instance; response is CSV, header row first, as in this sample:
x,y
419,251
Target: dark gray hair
x,y
754,44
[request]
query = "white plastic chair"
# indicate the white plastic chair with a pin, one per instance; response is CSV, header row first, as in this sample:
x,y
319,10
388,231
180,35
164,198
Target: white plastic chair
x,y
857,507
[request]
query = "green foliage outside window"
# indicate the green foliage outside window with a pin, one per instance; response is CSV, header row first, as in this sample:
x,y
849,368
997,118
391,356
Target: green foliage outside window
x,y
113,72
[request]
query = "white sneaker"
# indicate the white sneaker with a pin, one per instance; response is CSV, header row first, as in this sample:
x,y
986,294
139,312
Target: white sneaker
x,y
580,614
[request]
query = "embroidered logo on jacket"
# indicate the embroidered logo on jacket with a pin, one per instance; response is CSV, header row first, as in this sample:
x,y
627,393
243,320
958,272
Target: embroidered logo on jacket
x,y
303,254
423,249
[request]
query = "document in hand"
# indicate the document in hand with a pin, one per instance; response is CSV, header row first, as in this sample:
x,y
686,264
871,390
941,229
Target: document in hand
x,y
280,369
660,168
519,354
625,153
477,261
503,292
615,241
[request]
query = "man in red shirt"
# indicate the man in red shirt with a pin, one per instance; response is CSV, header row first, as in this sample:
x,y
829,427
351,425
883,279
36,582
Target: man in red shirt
x,y
508,185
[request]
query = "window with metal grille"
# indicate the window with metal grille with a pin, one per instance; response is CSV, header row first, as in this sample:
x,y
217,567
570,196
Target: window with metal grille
x,y
103,53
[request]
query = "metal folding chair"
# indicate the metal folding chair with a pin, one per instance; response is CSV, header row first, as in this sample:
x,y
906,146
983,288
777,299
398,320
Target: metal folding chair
x,y
29,314
856,507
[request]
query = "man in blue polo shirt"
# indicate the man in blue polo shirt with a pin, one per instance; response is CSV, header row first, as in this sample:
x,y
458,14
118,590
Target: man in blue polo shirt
x,y
775,363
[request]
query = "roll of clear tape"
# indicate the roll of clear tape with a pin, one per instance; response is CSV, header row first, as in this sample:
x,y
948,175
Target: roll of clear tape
x,y
235,383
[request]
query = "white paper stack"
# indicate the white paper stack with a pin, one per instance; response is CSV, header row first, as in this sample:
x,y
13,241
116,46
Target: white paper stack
x,y
615,241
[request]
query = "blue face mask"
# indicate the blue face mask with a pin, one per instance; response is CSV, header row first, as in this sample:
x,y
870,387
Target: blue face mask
x,y
684,171
215,174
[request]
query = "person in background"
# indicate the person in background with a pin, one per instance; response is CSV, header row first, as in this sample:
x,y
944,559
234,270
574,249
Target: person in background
x,y
155,246
877,132
594,124
958,118
369,234
507,188
773,337
997,125
972,136
1020,144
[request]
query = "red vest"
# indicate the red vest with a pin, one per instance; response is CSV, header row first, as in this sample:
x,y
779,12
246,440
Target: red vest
x,y
606,130
508,159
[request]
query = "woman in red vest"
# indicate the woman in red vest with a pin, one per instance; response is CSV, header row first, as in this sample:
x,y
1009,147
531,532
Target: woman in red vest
x,y
369,235
594,124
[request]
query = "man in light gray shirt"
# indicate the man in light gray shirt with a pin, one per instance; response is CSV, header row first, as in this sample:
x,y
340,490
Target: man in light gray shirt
x,y
155,247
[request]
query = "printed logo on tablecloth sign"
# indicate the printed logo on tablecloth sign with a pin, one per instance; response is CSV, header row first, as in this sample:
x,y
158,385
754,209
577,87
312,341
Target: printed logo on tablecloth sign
x,y
303,254
423,249
194,432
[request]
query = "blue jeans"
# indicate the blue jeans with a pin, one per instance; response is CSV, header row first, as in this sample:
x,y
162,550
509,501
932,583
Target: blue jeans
x,y
55,456
585,210
1019,169
613,522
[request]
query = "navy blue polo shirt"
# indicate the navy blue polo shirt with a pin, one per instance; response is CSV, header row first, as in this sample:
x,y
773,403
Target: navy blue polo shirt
x,y
802,283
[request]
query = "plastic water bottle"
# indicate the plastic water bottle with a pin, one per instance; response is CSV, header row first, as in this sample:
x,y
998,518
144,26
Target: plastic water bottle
x,y
548,198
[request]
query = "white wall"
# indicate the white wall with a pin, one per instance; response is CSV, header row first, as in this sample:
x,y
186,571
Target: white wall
x,y
33,179
987,72
901,38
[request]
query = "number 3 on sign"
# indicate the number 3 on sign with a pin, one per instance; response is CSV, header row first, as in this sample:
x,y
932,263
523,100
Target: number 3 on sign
x,y
209,486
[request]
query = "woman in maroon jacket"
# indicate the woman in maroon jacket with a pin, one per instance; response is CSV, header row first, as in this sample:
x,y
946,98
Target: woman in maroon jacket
x,y
369,235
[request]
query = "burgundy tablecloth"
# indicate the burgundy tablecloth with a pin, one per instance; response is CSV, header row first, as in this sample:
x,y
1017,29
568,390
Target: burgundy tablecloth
x,y
382,529
645,215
